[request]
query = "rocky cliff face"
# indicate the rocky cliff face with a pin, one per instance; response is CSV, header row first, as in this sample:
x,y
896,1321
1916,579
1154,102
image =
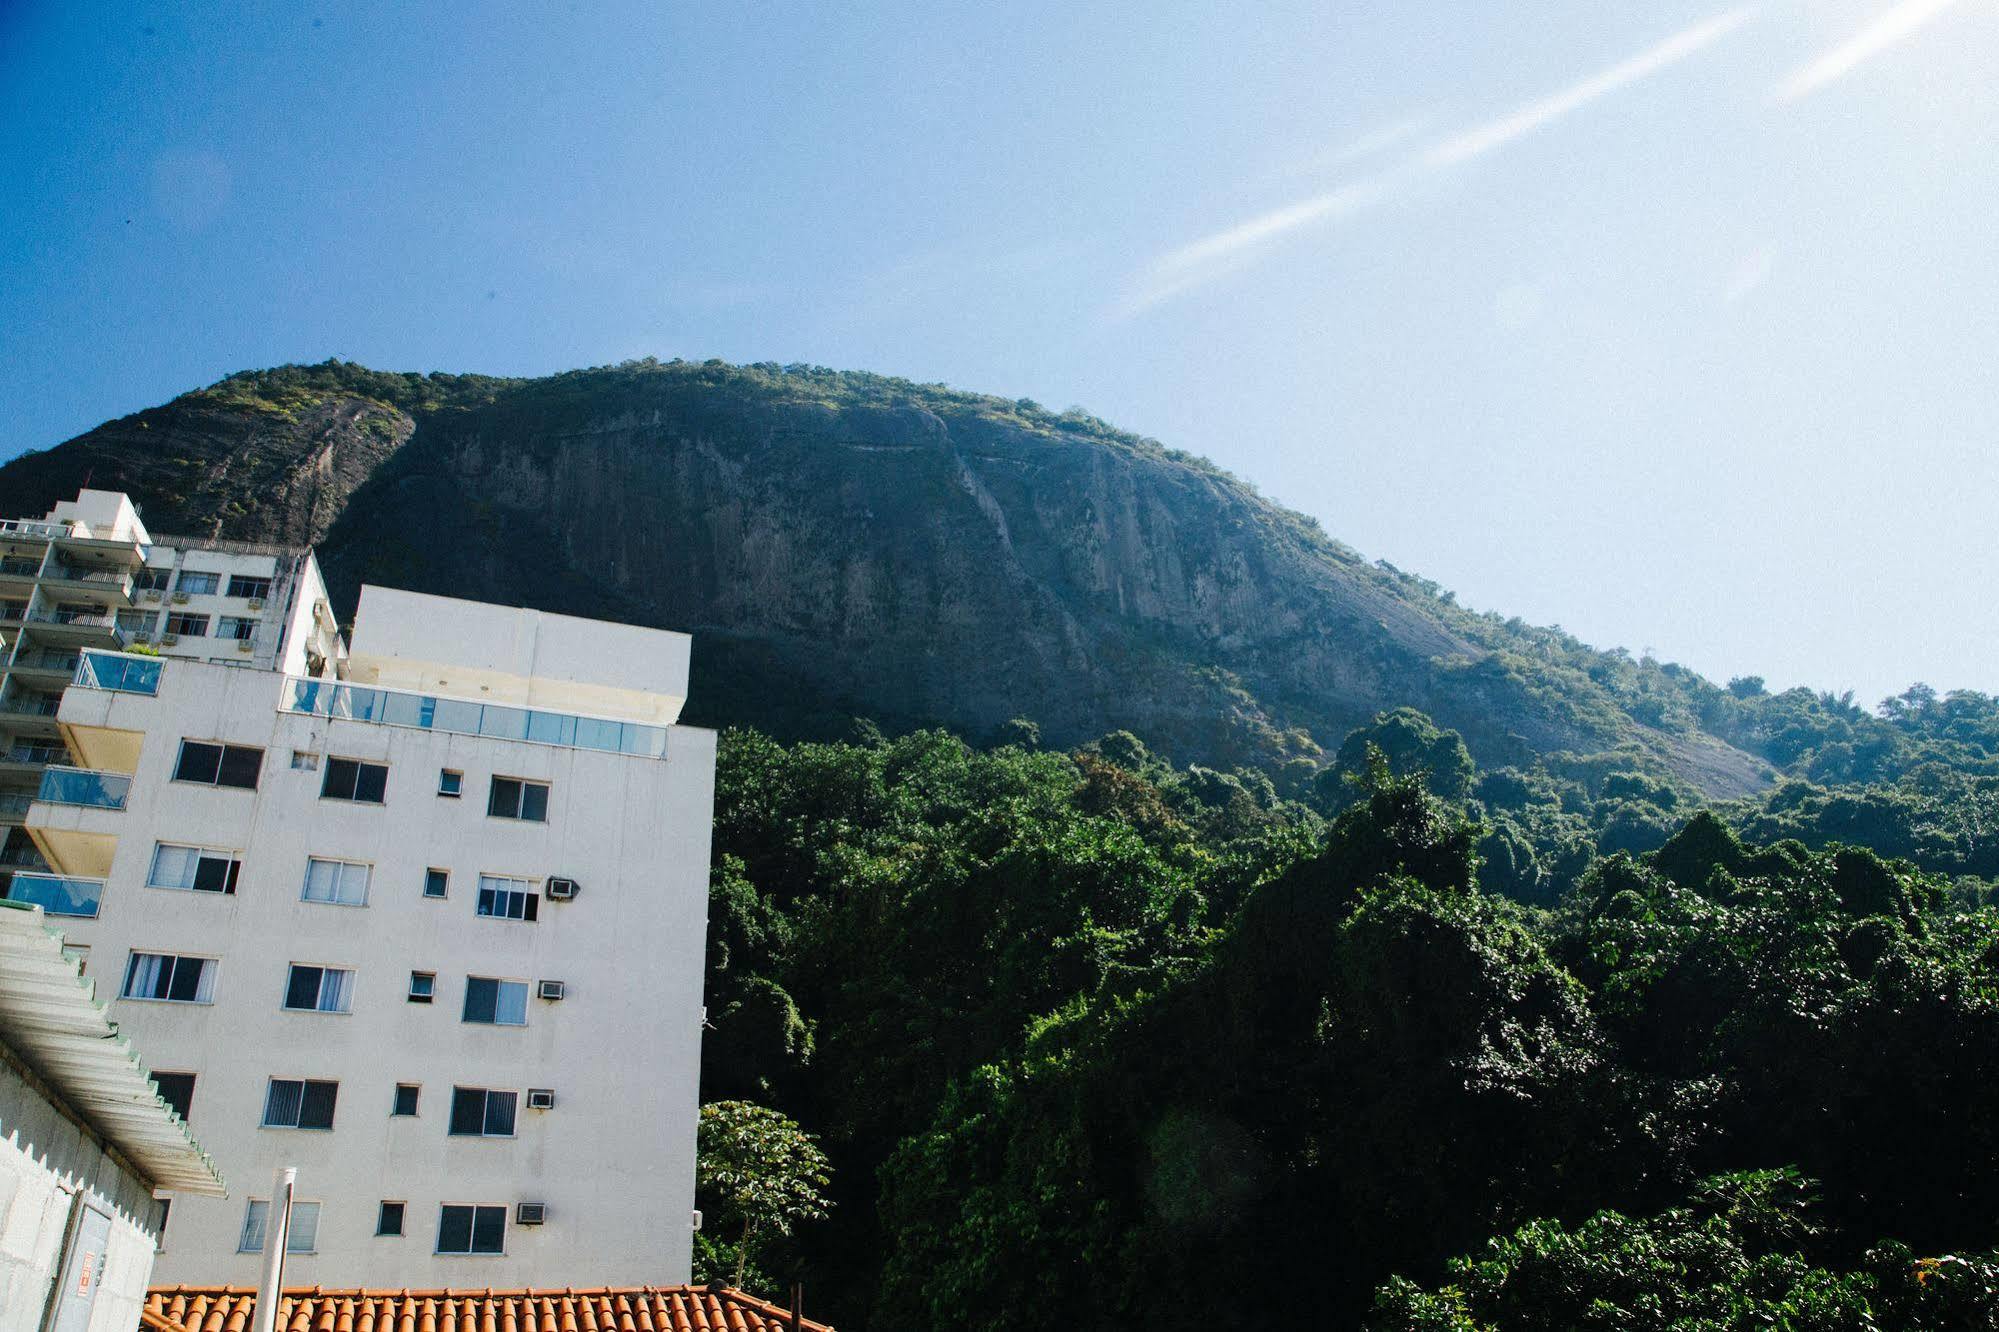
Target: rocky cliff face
x,y
851,546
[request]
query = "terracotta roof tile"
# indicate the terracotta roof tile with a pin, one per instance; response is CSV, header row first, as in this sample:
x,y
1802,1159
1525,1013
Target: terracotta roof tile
x,y
605,1309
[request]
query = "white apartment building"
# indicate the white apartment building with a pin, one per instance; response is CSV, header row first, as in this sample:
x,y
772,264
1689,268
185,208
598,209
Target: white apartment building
x,y
88,575
426,922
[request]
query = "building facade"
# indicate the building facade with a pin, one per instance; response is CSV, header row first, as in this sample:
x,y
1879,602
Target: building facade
x,y
425,921
90,1156
89,575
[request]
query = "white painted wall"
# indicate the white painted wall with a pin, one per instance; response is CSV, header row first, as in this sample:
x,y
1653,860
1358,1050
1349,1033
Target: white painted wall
x,y
45,1161
614,1160
503,654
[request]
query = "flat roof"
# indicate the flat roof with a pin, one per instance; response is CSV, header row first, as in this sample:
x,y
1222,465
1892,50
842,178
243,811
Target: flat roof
x,y
51,1020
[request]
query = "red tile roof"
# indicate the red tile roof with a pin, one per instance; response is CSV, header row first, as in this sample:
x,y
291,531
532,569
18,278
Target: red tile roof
x,y
619,1309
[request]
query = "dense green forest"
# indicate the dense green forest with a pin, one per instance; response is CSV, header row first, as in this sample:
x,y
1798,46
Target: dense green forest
x,y
1092,1040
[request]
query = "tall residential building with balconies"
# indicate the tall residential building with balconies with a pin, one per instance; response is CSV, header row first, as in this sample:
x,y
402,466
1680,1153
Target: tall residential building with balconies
x,y
89,575
424,919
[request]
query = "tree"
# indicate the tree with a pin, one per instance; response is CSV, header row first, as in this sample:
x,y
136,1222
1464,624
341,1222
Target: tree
x,y
758,1168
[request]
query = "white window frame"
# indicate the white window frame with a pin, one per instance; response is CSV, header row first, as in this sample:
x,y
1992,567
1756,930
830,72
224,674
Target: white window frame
x,y
264,1116
495,1022
233,859
505,1217
244,1243
428,998
204,987
343,991
340,881
486,1095
517,897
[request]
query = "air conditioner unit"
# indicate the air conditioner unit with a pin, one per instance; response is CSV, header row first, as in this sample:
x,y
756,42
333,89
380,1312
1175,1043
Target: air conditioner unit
x,y
530,1214
168,640
180,598
256,603
541,1098
243,645
561,890
149,594
695,1219
553,990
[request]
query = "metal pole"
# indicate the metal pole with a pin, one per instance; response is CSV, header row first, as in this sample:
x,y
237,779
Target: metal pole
x,y
277,1230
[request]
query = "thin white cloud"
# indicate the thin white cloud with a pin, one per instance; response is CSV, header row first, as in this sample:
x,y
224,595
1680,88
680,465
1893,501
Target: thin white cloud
x,y
1751,272
1538,115
1893,25
1202,261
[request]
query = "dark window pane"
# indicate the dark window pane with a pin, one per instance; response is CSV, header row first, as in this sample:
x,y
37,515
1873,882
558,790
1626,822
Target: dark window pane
x,y
281,1102
435,882
406,1095
186,982
468,1112
198,762
212,874
235,868
316,1110
505,799
489,1230
240,766
500,1113
371,782
177,1090
339,779
454,1230
391,1220
533,899
481,999
534,802
303,992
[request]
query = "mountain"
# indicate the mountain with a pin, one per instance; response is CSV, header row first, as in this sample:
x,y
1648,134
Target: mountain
x,y
851,545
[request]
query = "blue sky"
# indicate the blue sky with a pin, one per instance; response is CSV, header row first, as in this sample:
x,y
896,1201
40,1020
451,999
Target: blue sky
x,y
1674,324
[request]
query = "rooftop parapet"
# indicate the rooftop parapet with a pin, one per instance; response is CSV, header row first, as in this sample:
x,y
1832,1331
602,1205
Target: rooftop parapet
x,y
521,658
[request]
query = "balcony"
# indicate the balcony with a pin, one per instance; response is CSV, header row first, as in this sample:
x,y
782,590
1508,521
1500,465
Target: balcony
x,y
28,527
30,705
82,786
395,707
123,673
57,894
18,856
52,666
112,582
78,626
19,572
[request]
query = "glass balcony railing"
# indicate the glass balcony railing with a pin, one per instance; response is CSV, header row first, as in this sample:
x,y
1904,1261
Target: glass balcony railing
x,y
81,786
125,674
57,894
395,707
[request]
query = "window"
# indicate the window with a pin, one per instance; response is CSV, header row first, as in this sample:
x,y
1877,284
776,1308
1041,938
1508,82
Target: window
x,y
176,1089
512,798
218,765
423,986
406,1097
237,627
450,782
479,1113
160,1223
464,1228
152,580
303,1237
436,883
187,625
305,761
136,622
500,1002
300,1104
196,584
194,868
182,980
507,899
350,779
389,1221
341,882
242,586
319,989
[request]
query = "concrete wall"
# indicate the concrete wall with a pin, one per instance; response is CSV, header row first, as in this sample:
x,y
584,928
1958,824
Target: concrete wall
x,y
614,1160
501,654
46,1159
